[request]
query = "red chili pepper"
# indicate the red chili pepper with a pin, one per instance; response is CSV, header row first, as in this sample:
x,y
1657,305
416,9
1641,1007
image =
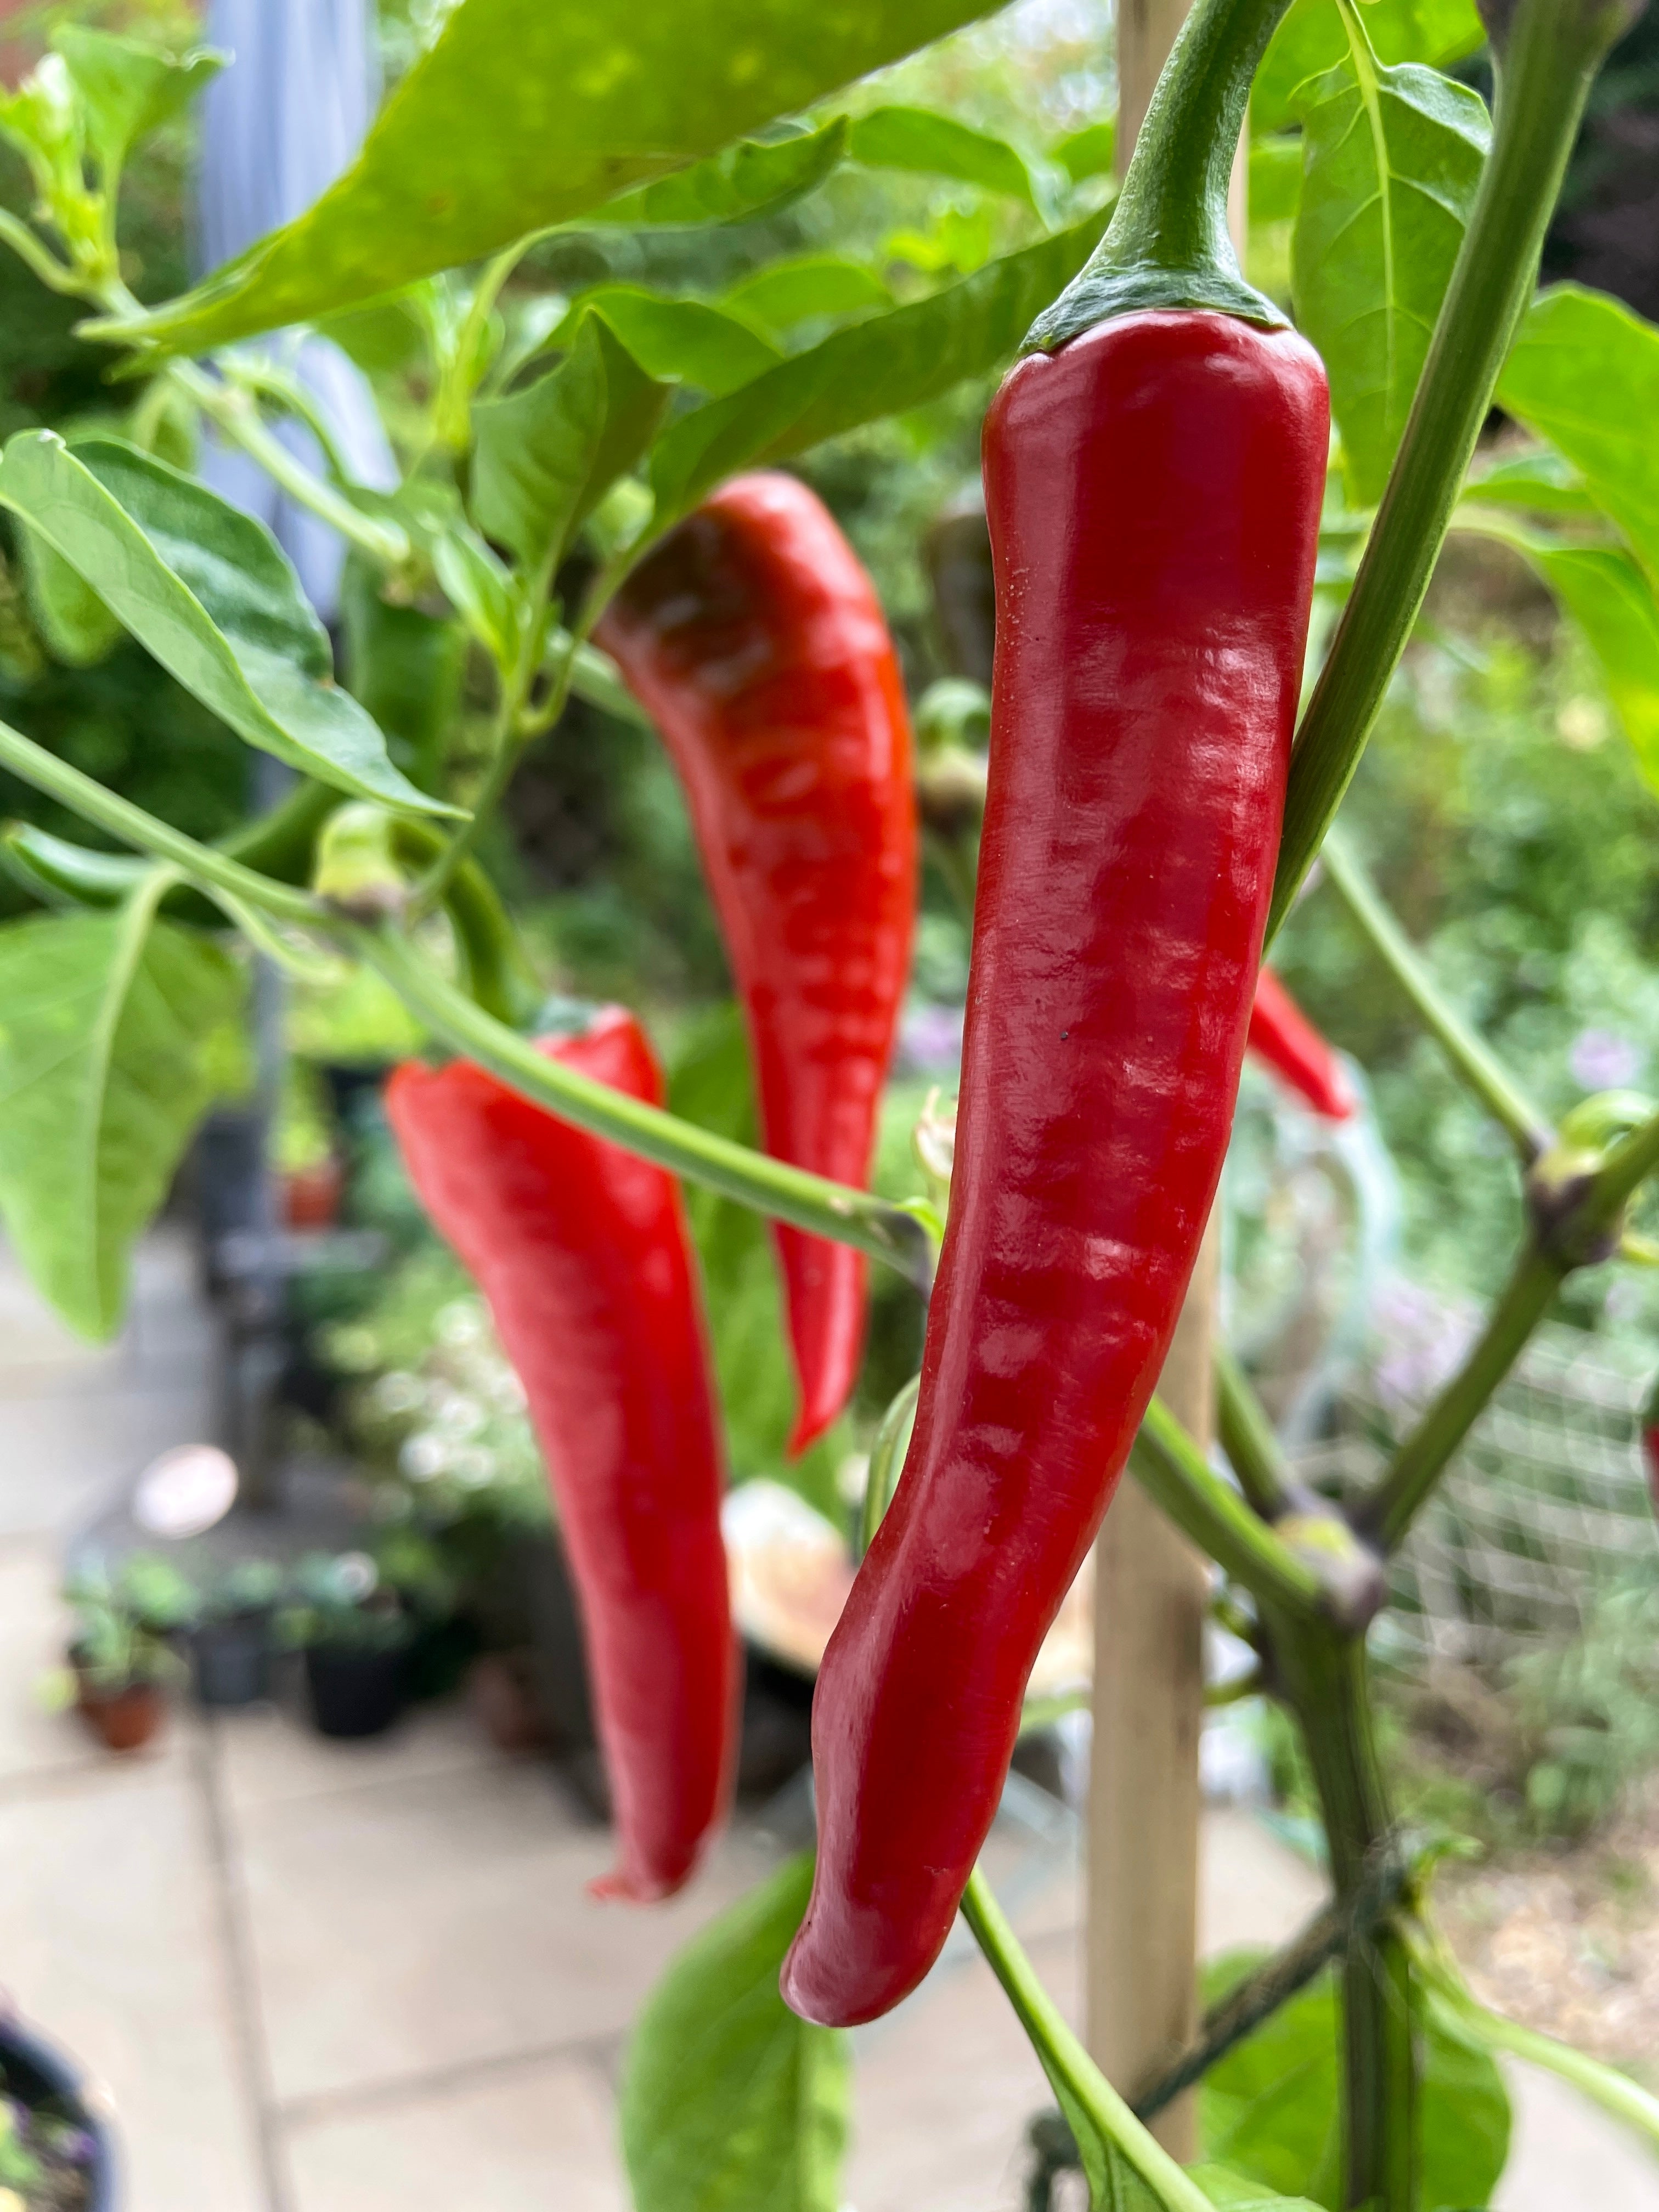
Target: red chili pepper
x,y
584,1254
1281,1034
756,642
1153,489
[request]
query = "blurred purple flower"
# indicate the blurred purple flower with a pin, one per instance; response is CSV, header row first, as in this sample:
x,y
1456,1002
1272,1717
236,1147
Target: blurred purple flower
x,y
930,1039
1602,1061
77,2147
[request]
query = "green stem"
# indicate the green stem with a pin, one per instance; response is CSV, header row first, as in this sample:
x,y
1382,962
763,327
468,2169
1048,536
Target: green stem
x,y
886,1459
134,827
38,258
1087,2098
1475,1064
1552,53
1385,1517
238,416
1248,1439
770,1187
498,974
1324,1676
1168,244
1175,1473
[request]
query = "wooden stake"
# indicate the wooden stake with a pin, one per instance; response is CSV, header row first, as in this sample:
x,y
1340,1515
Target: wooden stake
x,y
1141,1990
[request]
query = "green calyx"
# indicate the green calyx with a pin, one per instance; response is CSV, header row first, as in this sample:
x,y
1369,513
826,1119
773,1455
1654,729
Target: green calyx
x,y
1168,245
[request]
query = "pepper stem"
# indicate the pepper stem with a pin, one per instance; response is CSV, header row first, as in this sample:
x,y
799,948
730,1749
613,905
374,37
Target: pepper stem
x,y
1168,245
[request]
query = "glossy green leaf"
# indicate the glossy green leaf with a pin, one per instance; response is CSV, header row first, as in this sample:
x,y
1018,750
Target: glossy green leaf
x,y
788,293
1269,2109
481,589
210,594
1392,158
127,89
937,145
1539,482
405,668
105,1020
1609,595
753,178
1275,177
1090,152
73,622
729,2103
1311,38
544,457
1236,2192
677,341
59,873
881,366
1585,373
527,112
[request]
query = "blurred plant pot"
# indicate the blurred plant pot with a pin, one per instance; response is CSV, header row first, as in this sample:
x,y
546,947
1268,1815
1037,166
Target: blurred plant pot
x,y
231,1660
52,2089
354,1693
311,1196
123,1720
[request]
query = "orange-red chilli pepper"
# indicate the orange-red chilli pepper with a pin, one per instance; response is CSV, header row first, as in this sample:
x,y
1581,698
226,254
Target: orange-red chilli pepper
x,y
584,1255
1281,1034
755,642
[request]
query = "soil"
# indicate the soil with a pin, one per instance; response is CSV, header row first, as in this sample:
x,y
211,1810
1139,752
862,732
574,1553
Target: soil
x,y
1566,1940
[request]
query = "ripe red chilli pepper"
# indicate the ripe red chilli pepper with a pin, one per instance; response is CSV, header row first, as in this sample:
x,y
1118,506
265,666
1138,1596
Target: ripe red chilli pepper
x,y
1153,485
756,642
584,1255
1281,1034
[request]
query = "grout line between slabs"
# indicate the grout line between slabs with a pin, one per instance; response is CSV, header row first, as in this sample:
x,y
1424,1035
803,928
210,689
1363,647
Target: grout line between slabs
x,y
600,2051
252,2052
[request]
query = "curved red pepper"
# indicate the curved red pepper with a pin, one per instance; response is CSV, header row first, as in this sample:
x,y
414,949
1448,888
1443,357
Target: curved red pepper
x,y
1154,490
1281,1034
584,1254
756,642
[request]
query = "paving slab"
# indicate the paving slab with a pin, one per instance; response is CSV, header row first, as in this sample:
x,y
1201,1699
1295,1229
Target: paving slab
x,y
540,2136
111,1939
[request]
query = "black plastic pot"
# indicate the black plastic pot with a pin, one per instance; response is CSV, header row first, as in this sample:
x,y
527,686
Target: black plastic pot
x,y
231,1660
354,1693
43,2078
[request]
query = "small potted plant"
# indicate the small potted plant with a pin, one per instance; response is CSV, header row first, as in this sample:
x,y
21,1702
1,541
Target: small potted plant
x,y
56,2152
354,1635
122,1652
230,1643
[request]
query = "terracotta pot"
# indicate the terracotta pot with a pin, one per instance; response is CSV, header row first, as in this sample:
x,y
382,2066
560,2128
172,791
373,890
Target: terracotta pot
x,y
311,1196
124,1720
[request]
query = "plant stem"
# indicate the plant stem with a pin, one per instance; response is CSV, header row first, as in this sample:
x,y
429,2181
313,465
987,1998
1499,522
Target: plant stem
x,y
38,258
1324,1676
886,1458
788,1193
1386,1514
1174,1472
1087,2098
1248,1439
1551,53
1474,1062
236,415
498,974
134,827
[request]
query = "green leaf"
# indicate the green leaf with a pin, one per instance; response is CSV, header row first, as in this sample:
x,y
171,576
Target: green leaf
x,y
677,340
1392,157
127,90
1275,178
405,668
480,588
210,594
939,146
77,628
105,1020
1269,2109
1090,152
1585,373
1311,38
881,366
755,177
1539,483
1236,2192
544,458
729,2103
1608,596
579,103
787,293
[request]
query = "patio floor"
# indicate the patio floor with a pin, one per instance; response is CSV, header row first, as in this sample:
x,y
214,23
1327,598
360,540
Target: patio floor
x,y
318,1977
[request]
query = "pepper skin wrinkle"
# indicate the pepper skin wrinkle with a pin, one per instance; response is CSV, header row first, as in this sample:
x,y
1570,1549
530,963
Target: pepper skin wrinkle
x,y
754,640
584,1254
1153,489
1282,1037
